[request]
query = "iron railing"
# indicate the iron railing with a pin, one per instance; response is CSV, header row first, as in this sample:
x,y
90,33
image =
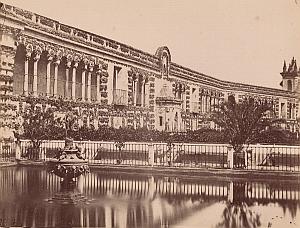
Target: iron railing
x,y
7,151
255,157
266,157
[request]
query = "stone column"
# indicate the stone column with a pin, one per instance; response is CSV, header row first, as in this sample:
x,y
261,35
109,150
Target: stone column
x,y
142,92
74,80
35,73
89,83
210,99
203,103
135,91
56,63
48,75
147,94
184,101
25,85
98,95
68,65
83,82
207,103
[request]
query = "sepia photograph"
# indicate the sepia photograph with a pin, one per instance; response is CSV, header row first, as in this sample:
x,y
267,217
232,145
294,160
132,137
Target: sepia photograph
x,y
149,114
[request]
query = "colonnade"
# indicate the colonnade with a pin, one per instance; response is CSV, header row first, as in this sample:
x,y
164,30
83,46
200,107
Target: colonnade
x,y
140,87
71,68
208,102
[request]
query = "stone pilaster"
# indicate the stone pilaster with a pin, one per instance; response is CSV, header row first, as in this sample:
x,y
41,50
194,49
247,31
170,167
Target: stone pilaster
x,y
130,87
104,84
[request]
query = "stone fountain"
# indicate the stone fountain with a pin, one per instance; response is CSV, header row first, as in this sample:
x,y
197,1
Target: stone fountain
x,y
68,164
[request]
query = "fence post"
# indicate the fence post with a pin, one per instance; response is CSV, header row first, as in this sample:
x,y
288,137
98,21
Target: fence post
x,y
18,149
151,154
230,161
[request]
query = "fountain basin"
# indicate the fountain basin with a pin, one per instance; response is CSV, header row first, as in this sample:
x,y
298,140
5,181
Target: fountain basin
x,y
69,163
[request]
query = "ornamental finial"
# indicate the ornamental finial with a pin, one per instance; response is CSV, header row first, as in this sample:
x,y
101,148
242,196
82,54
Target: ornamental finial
x,y
284,67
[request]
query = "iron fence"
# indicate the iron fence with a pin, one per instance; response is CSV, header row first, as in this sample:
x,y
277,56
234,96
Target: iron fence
x,y
7,151
190,155
256,157
266,157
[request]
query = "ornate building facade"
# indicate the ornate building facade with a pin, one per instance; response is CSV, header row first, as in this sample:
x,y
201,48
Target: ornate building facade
x,y
113,84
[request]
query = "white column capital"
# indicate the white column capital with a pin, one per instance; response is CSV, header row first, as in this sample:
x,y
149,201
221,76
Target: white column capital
x,y
68,64
28,55
84,68
37,57
56,62
50,58
91,68
75,65
98,72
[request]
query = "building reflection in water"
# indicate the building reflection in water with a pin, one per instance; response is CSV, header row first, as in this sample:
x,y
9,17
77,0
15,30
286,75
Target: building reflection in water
x,y
127,200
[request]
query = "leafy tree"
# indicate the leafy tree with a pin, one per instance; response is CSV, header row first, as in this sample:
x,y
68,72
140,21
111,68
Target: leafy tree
x,y
39,123
244,122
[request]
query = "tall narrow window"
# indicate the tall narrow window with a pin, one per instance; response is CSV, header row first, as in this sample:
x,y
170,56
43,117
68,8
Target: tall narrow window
x,y
119,92
160,121
115,78
289,85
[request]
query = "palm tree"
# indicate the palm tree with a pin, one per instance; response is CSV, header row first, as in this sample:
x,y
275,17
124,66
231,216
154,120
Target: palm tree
x,y
244,122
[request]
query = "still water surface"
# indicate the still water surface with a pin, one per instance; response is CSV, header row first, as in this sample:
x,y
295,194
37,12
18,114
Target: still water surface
x,y
30,197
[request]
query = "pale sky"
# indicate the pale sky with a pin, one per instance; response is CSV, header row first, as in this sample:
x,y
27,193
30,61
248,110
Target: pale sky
x,y
235,40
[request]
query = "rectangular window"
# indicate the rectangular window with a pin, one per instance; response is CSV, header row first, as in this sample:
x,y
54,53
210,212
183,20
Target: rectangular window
x,y
160,121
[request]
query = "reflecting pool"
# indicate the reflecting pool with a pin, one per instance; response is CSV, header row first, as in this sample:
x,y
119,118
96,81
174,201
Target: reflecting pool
x,y
28,198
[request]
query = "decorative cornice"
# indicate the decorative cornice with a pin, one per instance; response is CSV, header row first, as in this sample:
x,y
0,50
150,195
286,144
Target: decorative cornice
x,y
33,45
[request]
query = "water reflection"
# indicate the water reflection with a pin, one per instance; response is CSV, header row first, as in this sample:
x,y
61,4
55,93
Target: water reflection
x,y
131,200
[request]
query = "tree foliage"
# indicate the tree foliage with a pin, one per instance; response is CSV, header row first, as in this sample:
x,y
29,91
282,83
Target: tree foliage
x,y
244,122
39,123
